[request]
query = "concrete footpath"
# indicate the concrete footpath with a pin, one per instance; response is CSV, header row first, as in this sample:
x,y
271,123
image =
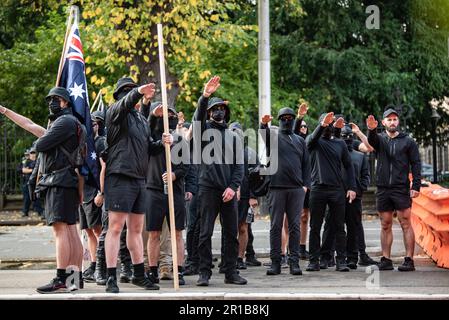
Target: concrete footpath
x,y
27,255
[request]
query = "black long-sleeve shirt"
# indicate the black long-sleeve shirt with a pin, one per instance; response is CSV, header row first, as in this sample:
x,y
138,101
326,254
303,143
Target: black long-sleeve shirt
x,y
396,157
361,172
328,157
219,175
128,139
293,168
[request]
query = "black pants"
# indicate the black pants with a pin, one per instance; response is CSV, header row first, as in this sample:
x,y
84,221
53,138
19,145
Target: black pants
x,y
250,253
320,198
193,233
27,202
289,202
210,204
125,256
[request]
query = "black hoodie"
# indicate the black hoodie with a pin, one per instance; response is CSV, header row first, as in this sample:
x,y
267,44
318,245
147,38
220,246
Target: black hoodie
x,y
218,176
395,158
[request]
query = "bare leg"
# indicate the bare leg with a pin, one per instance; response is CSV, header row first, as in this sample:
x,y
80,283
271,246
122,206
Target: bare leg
x,y
407,230
62,240
304,222
134,240
112,240
243,238
76,252
284,236
180,247
92,242
386,234
153,247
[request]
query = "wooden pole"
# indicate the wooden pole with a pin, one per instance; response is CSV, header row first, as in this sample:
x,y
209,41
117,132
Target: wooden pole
x,y
168,157
73,12
95,101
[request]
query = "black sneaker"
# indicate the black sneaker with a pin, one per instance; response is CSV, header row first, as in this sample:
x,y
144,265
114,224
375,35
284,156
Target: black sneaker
x,y
235,278
111,285
313,266
274,269
181,279
351,264
145,283
365,260
385,264
407,265
252,262
284,262
55,286
331,262
304,254
152,277
241,265
341,266
203,280
190,270
89,275
126,273
295,269
324,263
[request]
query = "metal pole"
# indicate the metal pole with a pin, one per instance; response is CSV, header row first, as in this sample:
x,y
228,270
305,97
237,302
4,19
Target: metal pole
x,y
264,65
434,150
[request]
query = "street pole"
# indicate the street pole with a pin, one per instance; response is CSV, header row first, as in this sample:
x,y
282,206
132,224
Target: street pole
x,y
264,66
435,117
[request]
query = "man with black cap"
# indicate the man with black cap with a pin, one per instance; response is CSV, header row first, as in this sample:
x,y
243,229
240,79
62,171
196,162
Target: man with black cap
x,y
59,180
26,170
397,154
129,144
288,186
157,194
328,156
220,175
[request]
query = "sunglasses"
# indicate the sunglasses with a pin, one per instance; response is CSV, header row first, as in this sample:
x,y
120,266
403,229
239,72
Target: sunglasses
x,y
304,126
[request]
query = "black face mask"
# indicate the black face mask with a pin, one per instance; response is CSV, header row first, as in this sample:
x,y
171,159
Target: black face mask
x,y
286,125
172,122
54,106
349,141
327,133
218,115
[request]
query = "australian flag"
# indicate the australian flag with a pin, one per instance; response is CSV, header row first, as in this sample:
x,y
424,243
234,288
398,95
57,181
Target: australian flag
x,y
73,78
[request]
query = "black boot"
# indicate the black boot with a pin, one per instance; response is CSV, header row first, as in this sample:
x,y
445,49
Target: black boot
x,y
275,269
101,277
295,269
366,260
126,272
313,266
341,266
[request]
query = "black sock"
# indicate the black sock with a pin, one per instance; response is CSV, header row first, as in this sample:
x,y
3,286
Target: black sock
x,y
93,265
112,272
60,273
139,270
154,271
302,246
180,269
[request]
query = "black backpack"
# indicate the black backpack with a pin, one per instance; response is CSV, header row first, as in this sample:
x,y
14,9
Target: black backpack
x,y
78,156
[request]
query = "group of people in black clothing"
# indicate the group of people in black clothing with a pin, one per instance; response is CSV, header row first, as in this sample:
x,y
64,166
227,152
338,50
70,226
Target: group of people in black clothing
x,y
325,172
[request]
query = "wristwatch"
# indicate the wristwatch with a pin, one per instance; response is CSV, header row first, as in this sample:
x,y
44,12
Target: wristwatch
x,y
101,193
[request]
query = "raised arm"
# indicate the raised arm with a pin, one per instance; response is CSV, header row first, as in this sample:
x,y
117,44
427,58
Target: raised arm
x,y
365,147
312,140
373,138
23,122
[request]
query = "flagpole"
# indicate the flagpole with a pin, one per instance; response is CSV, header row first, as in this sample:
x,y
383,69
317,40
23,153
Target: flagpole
x,y
73,12
168,158
95,101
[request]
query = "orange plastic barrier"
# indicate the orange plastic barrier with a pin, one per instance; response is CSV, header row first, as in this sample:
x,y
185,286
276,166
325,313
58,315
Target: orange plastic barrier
x,y
430,219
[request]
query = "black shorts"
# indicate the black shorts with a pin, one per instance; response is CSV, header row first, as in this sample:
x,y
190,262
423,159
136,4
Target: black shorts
x,y
243,209
124,194
90,215
157,210
61,205
306,200
390,199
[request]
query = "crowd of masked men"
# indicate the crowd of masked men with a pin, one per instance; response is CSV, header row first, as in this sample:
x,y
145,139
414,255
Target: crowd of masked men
x,y
323,173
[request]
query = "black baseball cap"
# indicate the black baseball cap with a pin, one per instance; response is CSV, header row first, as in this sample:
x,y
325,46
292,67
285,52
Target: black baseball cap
x,y
388,112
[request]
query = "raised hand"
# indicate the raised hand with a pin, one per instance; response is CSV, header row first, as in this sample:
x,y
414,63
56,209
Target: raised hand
x,y
211,86
2,109
181,119
302,110
340,123
371,122
355,128
328,119
158,111
147,90
266,118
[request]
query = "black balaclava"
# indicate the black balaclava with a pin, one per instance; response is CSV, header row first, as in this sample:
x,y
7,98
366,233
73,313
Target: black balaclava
x,y
123,92
54,105
172,122
348,136
218,115
286,126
